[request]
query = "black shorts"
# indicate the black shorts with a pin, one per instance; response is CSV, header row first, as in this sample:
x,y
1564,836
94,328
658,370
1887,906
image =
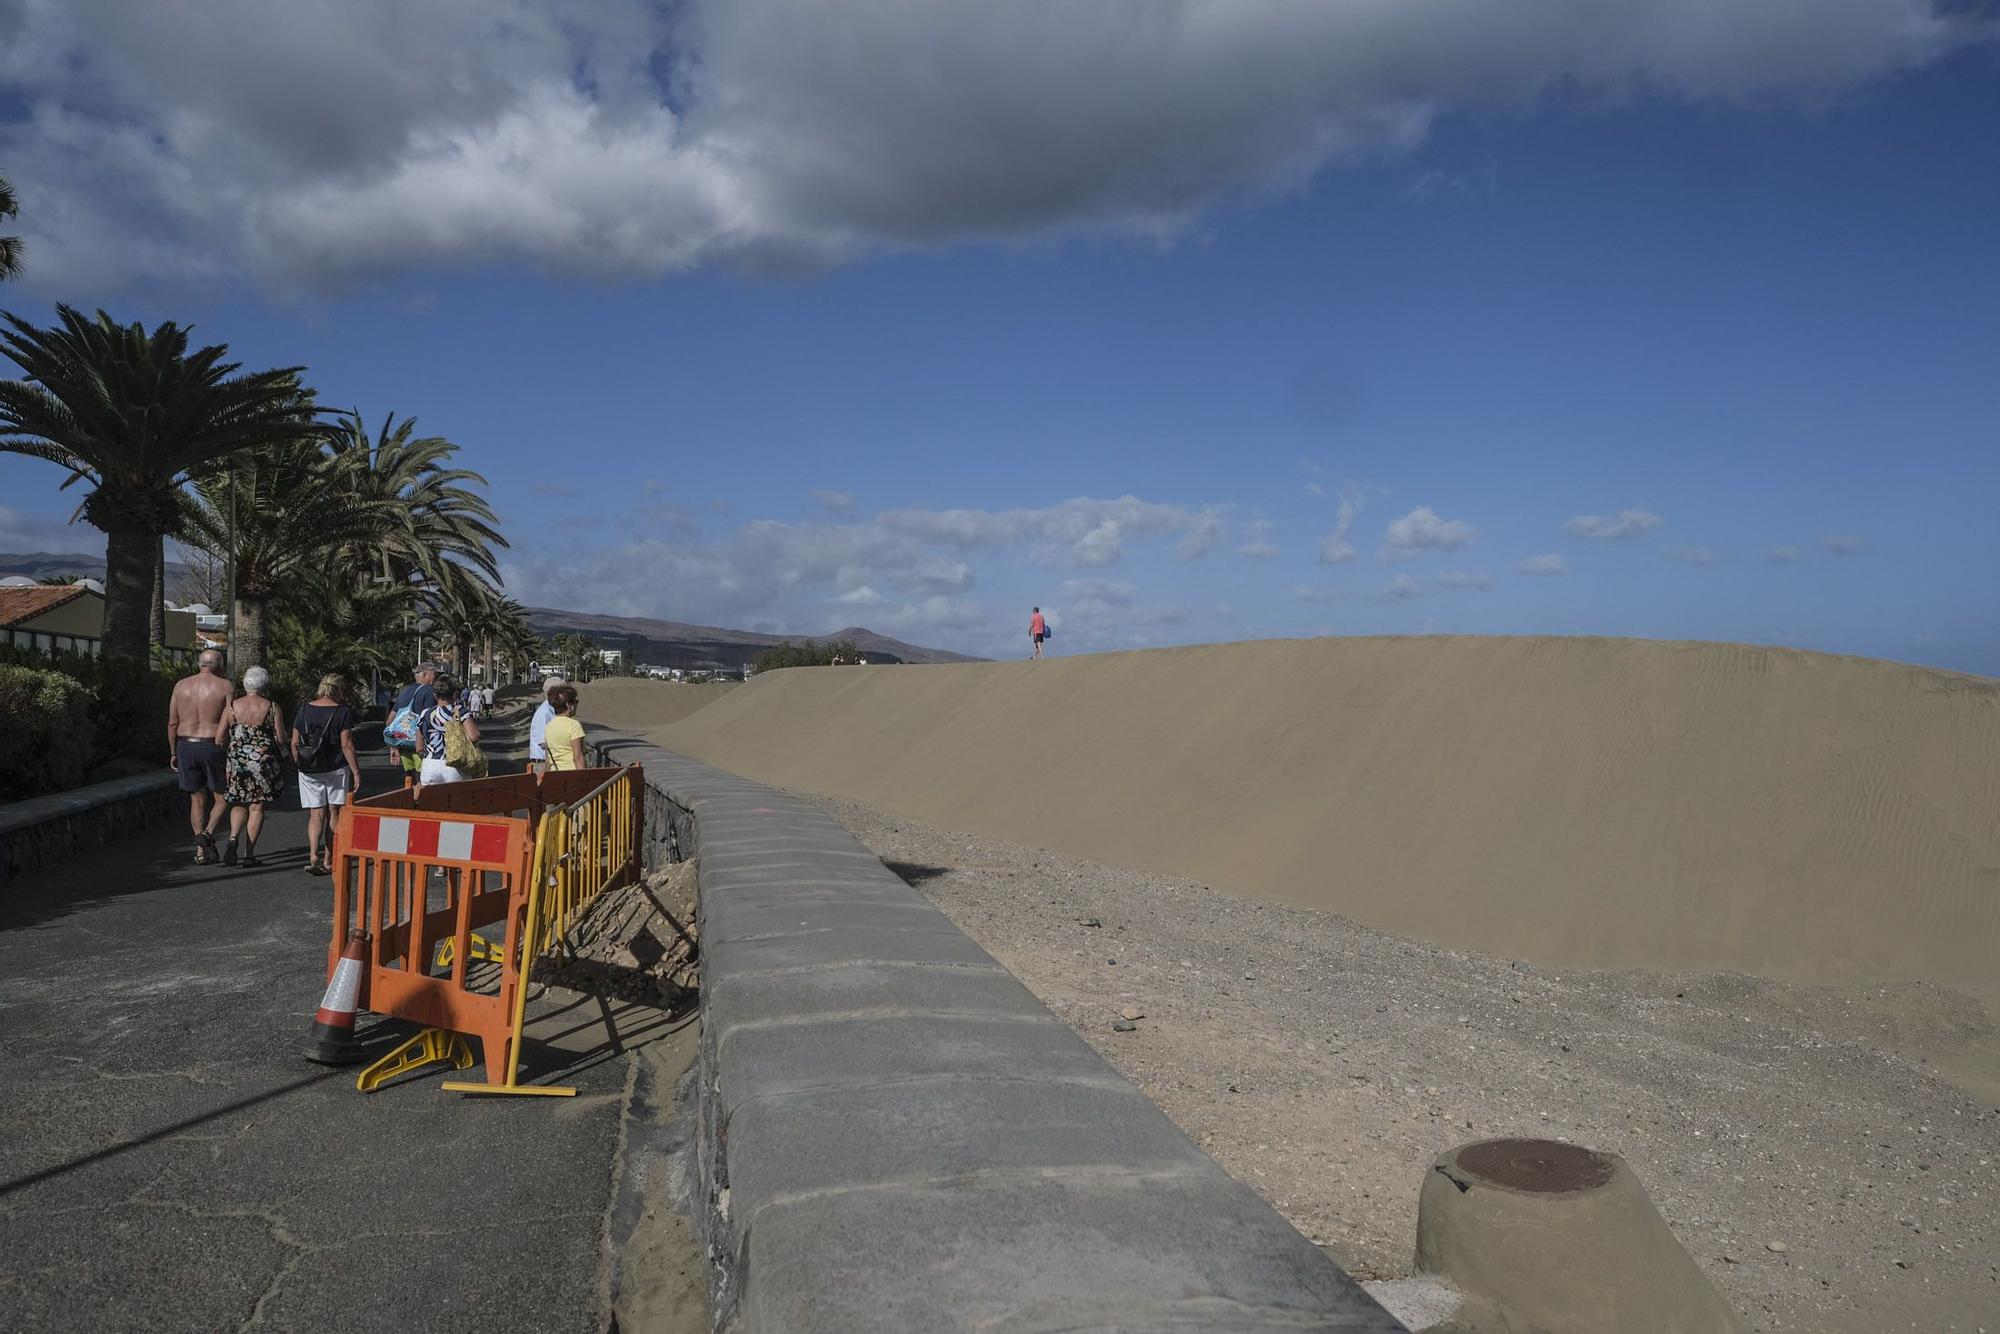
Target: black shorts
x,y
202,766
1040,638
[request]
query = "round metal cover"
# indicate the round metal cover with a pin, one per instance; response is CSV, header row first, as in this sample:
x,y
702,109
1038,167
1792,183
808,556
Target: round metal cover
x,y
1539,1165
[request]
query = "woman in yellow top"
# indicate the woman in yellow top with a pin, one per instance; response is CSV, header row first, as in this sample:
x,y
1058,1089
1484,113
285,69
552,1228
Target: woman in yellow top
x,y
564,736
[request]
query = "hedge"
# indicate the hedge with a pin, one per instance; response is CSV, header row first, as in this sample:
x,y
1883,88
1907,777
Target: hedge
x,y
48,737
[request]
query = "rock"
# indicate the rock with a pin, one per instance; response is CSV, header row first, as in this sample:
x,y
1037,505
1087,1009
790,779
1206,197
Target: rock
x,y
1124,1026
1776,1247
1129,1013
1093,921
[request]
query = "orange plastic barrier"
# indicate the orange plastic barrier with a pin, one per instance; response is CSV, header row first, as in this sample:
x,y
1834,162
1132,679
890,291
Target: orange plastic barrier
x,y
420,872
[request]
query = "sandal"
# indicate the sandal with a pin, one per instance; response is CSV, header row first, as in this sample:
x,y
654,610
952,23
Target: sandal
x,y
250,862
229,853
204,849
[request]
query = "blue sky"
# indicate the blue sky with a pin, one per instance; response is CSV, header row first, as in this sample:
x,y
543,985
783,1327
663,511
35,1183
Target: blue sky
x,y
1694,344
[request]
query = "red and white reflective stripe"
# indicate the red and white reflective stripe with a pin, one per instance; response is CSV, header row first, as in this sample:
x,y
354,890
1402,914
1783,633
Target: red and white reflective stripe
x,y
337,1006
433,840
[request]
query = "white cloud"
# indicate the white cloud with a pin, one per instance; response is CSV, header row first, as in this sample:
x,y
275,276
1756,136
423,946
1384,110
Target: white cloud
x,y
1257,544
1405,587
1307,593
916,570
1335,550
1422,530
1082,532
1625,526
26,533
840,504
932,577
1703,556
1543,565
1846,544
1099,594
322,141
1784,555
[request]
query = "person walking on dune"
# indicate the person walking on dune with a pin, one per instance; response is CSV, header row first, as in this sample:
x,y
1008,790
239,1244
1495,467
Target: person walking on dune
x,y
1038,630
193,753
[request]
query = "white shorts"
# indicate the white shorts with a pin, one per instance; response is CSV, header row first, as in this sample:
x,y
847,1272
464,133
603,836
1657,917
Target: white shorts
x,y
317,790
437,771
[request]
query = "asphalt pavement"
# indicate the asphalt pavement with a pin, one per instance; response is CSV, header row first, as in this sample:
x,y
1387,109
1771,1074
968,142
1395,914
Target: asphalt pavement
x,y
170,1161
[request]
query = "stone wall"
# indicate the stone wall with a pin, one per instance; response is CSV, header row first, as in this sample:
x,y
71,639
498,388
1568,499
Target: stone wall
x,y
893,1134
42,831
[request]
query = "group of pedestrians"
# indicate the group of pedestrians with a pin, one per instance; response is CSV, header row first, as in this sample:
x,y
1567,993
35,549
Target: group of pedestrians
x,y
433,730
230,752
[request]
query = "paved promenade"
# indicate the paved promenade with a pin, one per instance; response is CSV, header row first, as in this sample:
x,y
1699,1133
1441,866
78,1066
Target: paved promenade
x,y
168,1161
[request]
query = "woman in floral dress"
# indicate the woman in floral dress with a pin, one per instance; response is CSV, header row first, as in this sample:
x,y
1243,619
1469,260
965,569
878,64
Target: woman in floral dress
x,y
249,733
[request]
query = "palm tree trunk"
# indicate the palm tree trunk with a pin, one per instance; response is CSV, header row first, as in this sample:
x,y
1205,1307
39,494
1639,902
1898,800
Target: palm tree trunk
x,y
247,649
128,578
156,629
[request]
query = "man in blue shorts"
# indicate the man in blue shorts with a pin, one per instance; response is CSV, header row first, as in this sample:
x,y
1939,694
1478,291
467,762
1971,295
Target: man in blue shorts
x,y
193,714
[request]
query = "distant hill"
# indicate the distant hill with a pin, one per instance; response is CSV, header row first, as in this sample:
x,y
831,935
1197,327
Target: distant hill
x,y
182,583
664,643
708,647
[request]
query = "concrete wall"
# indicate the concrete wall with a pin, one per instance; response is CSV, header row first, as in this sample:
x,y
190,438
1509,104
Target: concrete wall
x,y
895,1135
45,830
82,615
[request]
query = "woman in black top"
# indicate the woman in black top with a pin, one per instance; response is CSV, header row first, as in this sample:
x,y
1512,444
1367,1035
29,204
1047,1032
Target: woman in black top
x,y
323,750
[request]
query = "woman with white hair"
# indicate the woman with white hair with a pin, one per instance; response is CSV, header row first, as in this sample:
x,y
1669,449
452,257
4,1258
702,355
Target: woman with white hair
x,y
248,734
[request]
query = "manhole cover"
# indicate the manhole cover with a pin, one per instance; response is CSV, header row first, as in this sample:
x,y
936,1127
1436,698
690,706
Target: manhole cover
x,y
1540,1165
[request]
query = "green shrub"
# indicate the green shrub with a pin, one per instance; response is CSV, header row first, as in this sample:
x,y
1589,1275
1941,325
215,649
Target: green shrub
x,y
131,700
821,654
48,740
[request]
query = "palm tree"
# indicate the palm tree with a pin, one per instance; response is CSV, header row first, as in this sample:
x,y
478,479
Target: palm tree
x,y
282,512
445,522
10,246
326,622
136,415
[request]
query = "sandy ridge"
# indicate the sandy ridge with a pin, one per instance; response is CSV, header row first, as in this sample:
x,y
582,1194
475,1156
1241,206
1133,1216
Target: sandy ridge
x,y
1577,802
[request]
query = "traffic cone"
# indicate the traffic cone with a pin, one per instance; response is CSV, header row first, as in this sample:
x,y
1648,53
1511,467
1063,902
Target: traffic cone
x,y
333,1025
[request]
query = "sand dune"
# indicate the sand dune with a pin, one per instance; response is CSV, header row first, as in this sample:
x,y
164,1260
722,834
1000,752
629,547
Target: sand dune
x,y
636,702
1577,802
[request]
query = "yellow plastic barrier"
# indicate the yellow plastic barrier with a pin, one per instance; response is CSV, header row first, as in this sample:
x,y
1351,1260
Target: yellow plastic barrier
x,y
581,851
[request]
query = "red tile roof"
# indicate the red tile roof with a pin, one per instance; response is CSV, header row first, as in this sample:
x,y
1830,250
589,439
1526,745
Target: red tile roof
x,y
20,604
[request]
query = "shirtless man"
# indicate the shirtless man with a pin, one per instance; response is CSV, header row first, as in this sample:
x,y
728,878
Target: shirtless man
x,y
192,718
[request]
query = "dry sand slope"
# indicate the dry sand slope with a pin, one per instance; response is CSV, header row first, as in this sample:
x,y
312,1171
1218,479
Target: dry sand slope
x,y
636,703
1576,802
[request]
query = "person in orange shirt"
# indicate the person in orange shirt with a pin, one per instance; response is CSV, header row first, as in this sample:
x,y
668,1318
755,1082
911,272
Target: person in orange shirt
x,y
1038,630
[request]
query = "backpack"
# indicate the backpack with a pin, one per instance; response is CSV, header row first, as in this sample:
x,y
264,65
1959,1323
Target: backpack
x,y
314,753
459,751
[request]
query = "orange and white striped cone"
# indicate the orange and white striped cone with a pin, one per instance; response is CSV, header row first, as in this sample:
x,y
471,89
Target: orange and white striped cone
x,y
333,1025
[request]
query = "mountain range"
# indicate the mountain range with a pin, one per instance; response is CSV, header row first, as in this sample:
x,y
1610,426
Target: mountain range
x,y
661,643
708,647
